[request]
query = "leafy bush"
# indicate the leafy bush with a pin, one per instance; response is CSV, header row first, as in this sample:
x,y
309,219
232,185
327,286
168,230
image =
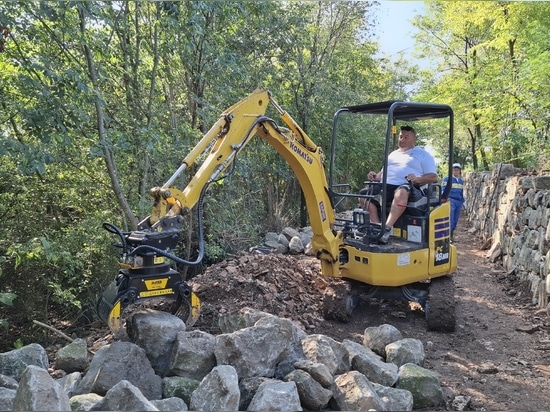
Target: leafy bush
x,y
6,298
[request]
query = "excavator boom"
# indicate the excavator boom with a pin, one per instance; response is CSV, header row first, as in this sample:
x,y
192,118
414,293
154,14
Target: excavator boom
x,y
223,142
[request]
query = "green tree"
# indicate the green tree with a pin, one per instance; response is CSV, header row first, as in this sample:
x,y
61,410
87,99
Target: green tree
x,y
102,99
487,75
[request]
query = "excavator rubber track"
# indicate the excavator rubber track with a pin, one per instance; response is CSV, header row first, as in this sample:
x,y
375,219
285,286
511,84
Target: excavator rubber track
x,y
440,307
338,301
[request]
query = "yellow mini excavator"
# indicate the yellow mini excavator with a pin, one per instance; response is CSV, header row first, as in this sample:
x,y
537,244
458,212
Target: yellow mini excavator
x,y
415,265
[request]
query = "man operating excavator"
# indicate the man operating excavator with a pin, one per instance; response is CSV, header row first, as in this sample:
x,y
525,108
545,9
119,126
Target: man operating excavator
x,y
408,167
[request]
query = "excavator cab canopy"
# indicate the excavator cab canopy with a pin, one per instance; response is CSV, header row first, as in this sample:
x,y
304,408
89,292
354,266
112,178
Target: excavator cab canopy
x,y
394,112
401,110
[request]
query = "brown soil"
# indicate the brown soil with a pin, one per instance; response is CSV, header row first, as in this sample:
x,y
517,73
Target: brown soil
x,y
498,357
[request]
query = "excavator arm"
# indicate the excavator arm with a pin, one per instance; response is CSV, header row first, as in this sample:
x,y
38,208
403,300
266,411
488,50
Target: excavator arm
x,y
223,142
145,250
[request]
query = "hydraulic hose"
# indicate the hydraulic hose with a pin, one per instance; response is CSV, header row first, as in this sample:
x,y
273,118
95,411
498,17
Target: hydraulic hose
x,y
113,229
109,227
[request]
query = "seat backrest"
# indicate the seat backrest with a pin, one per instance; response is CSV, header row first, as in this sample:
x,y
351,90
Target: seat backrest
x,y
431,197
433,192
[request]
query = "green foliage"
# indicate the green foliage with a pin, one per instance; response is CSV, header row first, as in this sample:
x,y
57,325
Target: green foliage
x,y
100,101
7,298
491,69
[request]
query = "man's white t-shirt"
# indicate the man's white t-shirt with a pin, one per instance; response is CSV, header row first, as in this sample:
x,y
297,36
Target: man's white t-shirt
x,y
416,161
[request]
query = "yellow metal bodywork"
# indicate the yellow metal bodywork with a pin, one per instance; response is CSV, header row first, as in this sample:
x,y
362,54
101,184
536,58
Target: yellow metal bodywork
x,y
195,309
114,320
380,267
228,136
232,132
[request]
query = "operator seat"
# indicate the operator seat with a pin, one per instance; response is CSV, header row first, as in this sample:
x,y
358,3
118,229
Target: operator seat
x,y
431,197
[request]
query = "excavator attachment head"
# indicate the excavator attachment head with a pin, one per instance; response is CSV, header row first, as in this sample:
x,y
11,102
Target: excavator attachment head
x,y
132,292
146,280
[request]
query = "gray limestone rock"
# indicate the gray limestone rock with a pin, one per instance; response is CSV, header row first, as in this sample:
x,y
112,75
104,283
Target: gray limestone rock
x,y
121,361
14,362
218,391
422,383
377,337
408,350
38,391
275,395
124,397
73,357
352,391
155,331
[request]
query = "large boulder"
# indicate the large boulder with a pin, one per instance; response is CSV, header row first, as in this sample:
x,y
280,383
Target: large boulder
x,y
14,362
218,391
121,361
38,391
422,383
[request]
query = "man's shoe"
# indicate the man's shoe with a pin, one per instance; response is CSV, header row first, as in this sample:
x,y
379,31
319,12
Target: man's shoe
x,y
386,236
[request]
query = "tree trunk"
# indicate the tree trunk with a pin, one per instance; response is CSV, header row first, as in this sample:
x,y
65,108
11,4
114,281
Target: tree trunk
x,y
102,133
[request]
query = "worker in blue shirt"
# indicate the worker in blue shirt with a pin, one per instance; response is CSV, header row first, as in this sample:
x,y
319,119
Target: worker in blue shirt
x,y
456,196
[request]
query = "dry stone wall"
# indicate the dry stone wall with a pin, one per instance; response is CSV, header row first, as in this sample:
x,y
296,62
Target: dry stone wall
x,y
509,209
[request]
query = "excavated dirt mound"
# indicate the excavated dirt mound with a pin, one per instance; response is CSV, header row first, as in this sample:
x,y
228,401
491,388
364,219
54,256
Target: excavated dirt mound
x,y
283,285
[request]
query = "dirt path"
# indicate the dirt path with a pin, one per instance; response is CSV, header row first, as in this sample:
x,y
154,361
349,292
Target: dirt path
x,y
499,355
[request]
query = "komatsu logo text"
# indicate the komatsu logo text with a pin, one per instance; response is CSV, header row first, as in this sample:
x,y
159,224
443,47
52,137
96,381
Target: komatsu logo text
x,y
322,210
301,153
442,256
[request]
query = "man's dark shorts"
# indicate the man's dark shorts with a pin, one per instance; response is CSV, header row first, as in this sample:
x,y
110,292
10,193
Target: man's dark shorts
x,y
375,189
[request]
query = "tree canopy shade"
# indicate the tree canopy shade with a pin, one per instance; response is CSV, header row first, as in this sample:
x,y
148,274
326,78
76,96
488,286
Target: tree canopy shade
x,y
102,100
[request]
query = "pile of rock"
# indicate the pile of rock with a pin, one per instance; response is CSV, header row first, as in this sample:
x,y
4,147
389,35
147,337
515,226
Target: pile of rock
x,y
289,240
259,362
